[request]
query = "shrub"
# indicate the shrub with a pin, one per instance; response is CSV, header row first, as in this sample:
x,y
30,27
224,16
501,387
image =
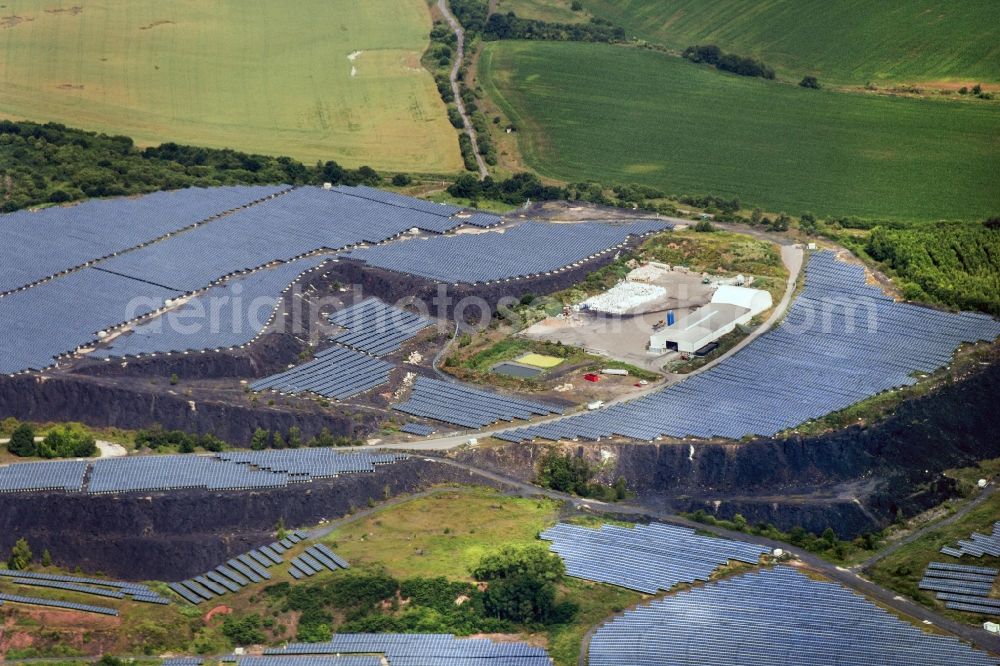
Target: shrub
x,y
22,441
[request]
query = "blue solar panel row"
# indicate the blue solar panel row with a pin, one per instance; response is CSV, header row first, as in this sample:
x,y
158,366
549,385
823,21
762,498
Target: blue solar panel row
x,y
775,617
228,315
56,317
238,572
977,544
64,475
303,221
314,560
531,248
468,407
329,660
423,650
38,245
231,470
52,603
183,661
95,586
417,429
841,342
376,328
455,216
960,587
316,463
646,558
336,373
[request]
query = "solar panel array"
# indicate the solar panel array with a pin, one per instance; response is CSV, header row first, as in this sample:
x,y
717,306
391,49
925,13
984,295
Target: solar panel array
x,y
53,603
38,245
292,225
183,661
64,475
336,373
646,558
61,315
314,559
329,660
528,249
961,587
775,617
230,470
53,318
376,328
228,315
424,650
417,429
977,545
842,341
96,586
468,407
237,573
318,463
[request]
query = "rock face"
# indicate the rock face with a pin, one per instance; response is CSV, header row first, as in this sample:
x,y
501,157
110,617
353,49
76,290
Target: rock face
x,y
65,398
854,480
173,535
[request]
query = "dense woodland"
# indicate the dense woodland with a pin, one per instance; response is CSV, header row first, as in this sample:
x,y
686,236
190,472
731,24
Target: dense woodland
x,y
954,264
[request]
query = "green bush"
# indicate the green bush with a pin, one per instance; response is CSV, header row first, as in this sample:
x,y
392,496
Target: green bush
x,y
244,630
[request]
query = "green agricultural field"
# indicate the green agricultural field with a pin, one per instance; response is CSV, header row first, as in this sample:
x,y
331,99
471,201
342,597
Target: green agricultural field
x,y
262,77
622,115
849,41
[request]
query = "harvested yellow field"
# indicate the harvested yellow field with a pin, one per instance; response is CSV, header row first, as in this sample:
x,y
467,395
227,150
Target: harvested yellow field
x,y
317,80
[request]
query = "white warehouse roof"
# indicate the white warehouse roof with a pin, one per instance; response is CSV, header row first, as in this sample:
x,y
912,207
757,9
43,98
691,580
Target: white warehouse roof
x,y
754,300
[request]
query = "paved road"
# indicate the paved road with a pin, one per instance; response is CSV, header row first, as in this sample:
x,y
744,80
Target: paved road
x,y
453,77
793,258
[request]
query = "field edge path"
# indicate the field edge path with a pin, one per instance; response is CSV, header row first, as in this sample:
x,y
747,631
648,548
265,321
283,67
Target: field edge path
x,y
453,78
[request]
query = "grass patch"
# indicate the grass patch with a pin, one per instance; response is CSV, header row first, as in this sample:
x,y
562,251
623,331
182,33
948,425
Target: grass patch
x,y
848,41
550,11
638,116
261,79
723,252
444,534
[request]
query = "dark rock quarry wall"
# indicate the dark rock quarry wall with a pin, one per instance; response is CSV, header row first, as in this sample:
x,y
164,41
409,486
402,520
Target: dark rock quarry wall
x,y
63,398
173,535
891,467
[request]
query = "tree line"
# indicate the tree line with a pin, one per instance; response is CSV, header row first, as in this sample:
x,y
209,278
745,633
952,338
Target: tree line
x,y
51,163
510,26
710,54
475,18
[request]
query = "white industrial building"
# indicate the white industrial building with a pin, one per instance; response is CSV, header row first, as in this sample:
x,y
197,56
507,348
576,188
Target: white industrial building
x,y
730,306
